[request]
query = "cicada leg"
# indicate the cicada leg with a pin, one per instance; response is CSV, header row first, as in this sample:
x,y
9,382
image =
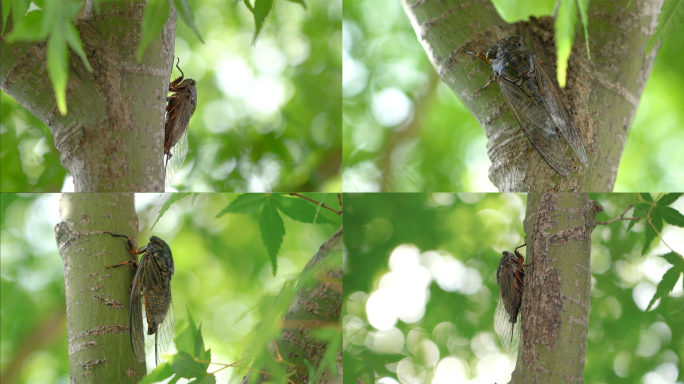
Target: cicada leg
x,y
132,249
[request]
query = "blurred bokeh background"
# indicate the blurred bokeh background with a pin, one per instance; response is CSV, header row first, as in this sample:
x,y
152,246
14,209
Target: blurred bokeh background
x,y
405,131
420,292
222,272
268,116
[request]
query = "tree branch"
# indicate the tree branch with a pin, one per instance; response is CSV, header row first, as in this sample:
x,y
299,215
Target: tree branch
x,y
602,94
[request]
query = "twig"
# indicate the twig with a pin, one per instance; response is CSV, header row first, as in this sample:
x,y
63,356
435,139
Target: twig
x,y
314,201
620,217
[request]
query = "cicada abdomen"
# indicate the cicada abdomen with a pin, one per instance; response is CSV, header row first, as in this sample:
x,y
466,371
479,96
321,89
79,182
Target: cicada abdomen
x,y
180,107
510,276
534,101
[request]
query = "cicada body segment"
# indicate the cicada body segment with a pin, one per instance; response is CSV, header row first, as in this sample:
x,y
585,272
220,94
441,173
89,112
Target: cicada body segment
x,y
510,276
180,107
534,101
151,290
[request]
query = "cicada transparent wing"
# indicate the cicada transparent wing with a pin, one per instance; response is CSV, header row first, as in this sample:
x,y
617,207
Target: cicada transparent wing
x,y
135,315
509,333
561,116
536,123
175,159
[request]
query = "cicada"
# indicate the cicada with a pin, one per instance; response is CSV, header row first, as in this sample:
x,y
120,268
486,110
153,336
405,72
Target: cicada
x,y
534,101
510,276
180,107
151,286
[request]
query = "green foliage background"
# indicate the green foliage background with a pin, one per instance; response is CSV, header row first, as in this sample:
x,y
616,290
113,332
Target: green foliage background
x,y
222,272
474,229
233,145
440,146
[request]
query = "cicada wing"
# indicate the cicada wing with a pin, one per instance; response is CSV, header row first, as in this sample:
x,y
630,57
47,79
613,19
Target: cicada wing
x,y
560,115
509,333
164,334
537,124
174,161
135,315
158,308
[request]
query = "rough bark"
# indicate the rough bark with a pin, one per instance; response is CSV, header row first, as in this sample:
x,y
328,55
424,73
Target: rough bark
x,y
112,136
316,305
98,299
602,93
556,295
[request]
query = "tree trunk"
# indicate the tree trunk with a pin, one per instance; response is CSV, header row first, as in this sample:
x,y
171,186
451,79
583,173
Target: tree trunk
x,y
97,298
112,136
556,295
602,93
315,306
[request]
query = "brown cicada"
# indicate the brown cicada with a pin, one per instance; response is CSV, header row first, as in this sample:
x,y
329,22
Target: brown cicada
x,y
179,109
151,287
510,276
534,101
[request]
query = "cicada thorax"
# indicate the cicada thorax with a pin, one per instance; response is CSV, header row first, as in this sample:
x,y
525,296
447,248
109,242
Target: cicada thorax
x,y
180,106
510,276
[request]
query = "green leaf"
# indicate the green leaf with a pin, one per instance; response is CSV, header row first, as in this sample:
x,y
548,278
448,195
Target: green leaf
x,y
185,366
272,231
300,210
156,13
245,203
671,215
631,224
261,10
300,2
185,12
161,372
641,210
565,34
58,65
646,197
657,220
673,259
649,234
208,379
30,29
174,197
190,342
670,20
666,284
668,199
74,40
19,8
583,6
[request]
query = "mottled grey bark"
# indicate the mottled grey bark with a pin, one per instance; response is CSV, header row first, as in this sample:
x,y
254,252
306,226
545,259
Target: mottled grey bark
x,y
556,294
602,93
97,298
112,136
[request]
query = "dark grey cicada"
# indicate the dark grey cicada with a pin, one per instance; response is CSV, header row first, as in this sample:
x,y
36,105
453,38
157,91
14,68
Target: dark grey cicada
x,y
534,101
180,107
151,287
510,276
